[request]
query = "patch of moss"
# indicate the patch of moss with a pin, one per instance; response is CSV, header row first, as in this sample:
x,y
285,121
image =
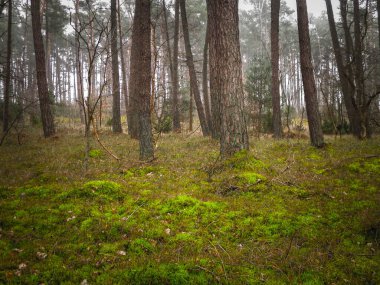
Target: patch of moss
x,y
95,153
251,177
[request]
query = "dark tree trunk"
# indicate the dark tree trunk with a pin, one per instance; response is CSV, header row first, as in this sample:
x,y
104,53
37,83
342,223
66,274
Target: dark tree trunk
x,y
140,77
361,100
192,73
175,111
311,100
116,116
276,103
226,75
347,90
7,87
43,93
205,80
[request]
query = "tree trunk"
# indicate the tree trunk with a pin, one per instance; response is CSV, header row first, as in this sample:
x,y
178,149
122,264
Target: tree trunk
x,y
43,93
175,110
315,128
49,71
140,78
123,67
276,103
226,75
78,67
347,89
205,79
7,87
192,73
116,116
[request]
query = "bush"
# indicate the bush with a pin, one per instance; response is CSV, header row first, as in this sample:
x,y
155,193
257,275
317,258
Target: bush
x,y
164,125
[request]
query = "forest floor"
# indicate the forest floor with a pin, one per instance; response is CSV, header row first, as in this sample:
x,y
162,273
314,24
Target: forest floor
x,y
283,213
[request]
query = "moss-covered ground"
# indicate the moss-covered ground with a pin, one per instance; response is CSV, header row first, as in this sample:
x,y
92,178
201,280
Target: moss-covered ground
x,y
284,213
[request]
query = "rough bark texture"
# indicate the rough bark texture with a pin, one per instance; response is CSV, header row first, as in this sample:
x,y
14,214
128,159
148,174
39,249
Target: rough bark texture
x,y
116,115
361,100
347,90
175,111
226,75
276,104
140,77
349,74
205,80
193,76
315,128
43,93
7,87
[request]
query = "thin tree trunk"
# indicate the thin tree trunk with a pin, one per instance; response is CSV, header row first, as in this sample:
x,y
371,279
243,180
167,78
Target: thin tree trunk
x,y
7,89
43,92
361,100
192,73
226,81
191,107
205,79
123,67
315,128
140,78
116,116
276,104
175,110
78,66
347,90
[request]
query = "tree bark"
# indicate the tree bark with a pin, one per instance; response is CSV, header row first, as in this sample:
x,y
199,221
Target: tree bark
x,y
7,87
175,109
361,100
205,80
78,67
123,67
193,76
43,93
116,116
347,90
226,75
311,100
276,103
140,78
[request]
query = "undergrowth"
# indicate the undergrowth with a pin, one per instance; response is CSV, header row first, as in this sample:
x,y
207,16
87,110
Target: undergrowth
x,y
283,213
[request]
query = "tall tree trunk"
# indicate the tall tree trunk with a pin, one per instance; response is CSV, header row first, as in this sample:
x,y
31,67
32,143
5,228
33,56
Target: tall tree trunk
x,y
48,40
355,127
205,79
123,67
276,103
78,66
361,100
43,93
7,87
226,74
140,78
175,110
192,73
116,116
347,90
311,100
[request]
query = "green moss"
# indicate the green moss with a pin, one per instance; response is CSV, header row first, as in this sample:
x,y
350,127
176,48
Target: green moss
x,y
140,246
96,189
251,177
95,153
